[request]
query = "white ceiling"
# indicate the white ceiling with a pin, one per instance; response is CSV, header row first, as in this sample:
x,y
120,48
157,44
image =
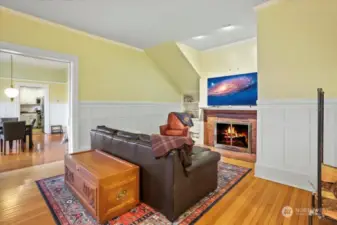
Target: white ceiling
x,y
146,23
26,60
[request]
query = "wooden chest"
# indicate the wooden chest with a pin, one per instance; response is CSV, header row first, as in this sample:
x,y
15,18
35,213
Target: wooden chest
x,y
107,186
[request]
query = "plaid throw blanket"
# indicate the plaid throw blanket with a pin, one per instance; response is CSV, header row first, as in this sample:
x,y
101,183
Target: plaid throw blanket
x,y
163,145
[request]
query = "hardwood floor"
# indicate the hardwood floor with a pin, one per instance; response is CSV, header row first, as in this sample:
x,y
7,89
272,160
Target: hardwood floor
x,y
20,199
233,155
251,201
47,148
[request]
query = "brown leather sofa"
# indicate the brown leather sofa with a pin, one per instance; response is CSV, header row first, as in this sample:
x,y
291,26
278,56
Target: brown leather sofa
x,y
164,184
174,127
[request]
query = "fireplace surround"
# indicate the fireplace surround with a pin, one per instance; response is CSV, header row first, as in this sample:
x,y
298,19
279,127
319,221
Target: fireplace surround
x,y
213,116
233,135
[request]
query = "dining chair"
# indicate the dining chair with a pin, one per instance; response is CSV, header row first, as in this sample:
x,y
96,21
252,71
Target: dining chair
x,y
33,123
12,131
7,119
29,130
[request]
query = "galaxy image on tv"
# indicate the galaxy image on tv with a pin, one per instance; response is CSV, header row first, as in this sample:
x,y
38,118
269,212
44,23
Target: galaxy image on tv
x,y
232,90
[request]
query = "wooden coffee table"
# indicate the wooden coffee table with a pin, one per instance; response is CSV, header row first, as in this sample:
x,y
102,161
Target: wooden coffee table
x,y
107,186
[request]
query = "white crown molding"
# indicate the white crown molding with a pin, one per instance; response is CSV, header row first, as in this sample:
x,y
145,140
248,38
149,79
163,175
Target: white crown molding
x,y
36,81
70,29
266,4
19,84
230,45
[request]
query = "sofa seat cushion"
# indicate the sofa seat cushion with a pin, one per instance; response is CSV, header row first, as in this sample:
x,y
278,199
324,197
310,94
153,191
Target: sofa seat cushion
x,y
198,149
174,132
201,159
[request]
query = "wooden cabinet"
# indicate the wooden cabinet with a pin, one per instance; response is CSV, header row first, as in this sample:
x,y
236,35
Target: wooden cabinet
x,y
107,186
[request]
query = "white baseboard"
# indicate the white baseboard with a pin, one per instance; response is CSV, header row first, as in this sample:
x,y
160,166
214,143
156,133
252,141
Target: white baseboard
x,y
84,148
282,176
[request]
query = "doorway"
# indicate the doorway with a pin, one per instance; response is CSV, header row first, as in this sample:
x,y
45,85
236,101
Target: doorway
x,y
32,105
38,103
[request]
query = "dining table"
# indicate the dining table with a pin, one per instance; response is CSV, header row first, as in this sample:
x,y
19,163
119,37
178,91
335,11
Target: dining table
x,y
29,133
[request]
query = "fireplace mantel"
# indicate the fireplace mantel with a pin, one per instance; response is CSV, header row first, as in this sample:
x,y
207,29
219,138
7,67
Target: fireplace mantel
x,y
225,113
234,108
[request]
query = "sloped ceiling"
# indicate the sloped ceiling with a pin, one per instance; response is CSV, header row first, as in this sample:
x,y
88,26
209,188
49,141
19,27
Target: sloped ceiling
x,y
192,55
180,65
145,24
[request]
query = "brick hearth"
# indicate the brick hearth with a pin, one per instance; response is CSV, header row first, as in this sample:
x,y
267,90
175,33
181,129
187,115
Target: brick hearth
x,y
211,116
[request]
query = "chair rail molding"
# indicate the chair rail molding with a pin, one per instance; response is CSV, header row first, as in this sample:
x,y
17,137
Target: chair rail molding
x,y
287,140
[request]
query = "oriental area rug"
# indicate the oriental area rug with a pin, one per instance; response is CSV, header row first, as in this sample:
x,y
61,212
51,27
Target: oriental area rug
x,y
67,209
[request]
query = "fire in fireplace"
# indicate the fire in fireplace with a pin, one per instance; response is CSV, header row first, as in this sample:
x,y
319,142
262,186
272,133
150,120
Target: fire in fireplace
x,y
233,136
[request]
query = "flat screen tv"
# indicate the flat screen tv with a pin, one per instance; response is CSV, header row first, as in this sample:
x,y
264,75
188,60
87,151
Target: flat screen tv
x,y
235,90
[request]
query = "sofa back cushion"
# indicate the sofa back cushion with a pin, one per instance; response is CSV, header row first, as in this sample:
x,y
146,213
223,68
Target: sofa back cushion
x,y
106,129
127,135
145,138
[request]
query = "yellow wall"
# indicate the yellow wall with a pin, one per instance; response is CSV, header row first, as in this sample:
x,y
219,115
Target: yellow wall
x,y
171,60
31,72
58,92
236,58
192,55
25,73
297,49
107,71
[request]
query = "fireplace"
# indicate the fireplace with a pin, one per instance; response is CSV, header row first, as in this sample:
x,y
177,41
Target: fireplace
x,y
233,135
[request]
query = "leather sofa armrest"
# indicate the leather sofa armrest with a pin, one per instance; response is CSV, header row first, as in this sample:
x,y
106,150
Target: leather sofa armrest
x,y
202,159
163,128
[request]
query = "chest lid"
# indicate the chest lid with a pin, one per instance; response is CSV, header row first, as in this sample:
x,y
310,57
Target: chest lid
x,y
101,164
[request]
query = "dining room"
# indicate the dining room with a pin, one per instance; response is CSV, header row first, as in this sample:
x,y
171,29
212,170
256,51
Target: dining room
x,y
34,110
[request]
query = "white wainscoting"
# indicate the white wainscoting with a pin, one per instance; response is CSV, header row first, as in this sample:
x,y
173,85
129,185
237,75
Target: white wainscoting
x,y
58,112
142,117
287,141
7,109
